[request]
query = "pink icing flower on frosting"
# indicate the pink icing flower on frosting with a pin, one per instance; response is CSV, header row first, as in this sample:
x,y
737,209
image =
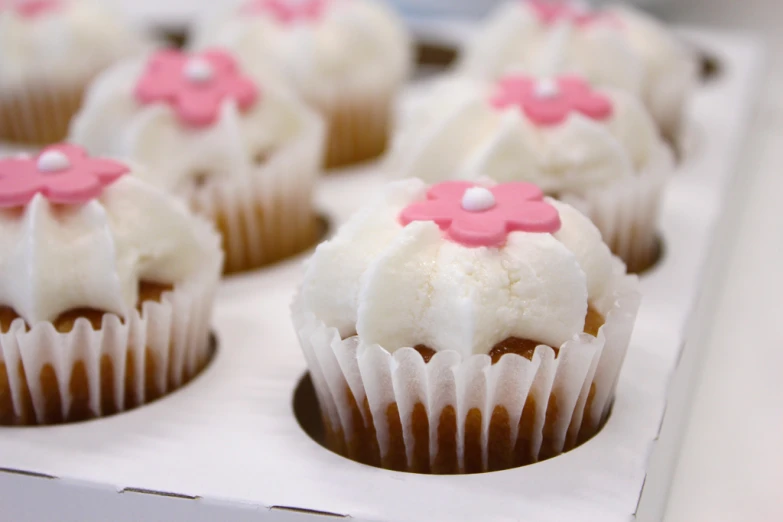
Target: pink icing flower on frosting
x,y
550,101
195,85
477,216
31,8
62,173
288,11
553,11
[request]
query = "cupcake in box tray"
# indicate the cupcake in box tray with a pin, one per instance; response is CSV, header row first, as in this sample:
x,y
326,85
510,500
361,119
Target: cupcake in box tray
x,y
619,47
106,288
240,150
49,52
595,149
348,58
463,328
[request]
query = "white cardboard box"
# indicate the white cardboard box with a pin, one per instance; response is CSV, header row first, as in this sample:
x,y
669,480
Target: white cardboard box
x,y
228,447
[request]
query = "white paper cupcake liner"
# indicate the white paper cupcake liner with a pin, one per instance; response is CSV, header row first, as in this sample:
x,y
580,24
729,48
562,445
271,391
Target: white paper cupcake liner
x,y
626,212
667,102
271,216
125,364
358,116
38,114
348,374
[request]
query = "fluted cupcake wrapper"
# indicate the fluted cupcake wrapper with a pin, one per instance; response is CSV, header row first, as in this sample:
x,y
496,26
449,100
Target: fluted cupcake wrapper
x,y
358,118
626,212
38,114
268,215
48,376
459,414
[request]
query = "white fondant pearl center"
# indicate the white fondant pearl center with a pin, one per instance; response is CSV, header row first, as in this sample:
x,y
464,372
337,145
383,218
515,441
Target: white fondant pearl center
x,y
53,161
198,70
547,88
478,199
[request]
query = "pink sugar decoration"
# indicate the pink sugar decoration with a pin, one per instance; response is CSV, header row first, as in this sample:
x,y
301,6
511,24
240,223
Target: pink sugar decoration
x,y
288,11
195,85
552,11
31,8
476,216
549,102
62,173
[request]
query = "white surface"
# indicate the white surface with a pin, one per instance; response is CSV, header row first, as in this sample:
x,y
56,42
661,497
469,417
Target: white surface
x,y
230,436
731,465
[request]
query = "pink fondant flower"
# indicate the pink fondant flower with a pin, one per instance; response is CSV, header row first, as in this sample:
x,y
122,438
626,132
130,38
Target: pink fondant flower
x,y
62,173
553,11
30,8
476,216
288,11
195,85
550,101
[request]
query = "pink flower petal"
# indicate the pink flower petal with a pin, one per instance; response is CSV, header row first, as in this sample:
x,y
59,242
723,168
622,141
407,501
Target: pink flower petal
x,y
313,9
197,103
573,84
166,59
534,216
18,189
476,229
547,111
34,8
516,193
72,188
223,63
450,190
150,89
245,92
439,211
574,94
106,170
596,106
518,207
199,107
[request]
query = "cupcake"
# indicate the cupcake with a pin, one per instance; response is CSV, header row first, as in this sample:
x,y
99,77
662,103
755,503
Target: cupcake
x,y
347,58
239,150
463,328
597,149
619,47
106,285
49,52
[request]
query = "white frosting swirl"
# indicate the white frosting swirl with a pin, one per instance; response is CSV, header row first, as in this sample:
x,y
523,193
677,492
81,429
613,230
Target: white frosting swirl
x,y
670,69
113,123
454,132
626,50
64,46
354,42
56,258
402,286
